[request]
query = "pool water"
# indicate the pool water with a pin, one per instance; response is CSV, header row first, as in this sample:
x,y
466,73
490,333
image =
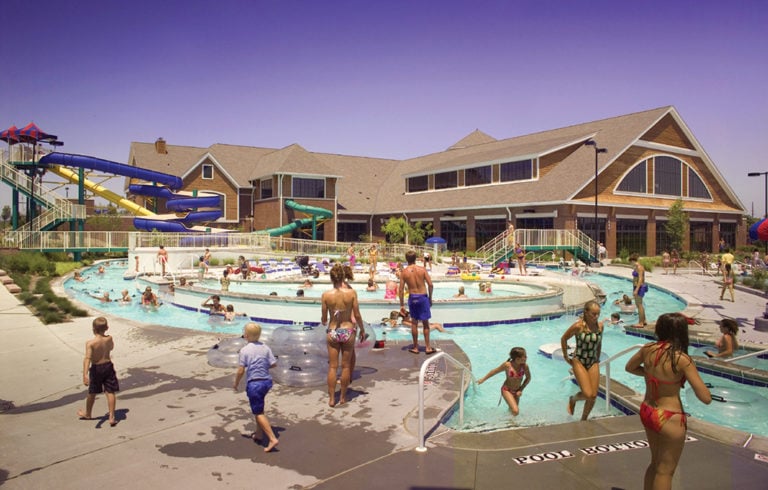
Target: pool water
x,y
442,290
486,347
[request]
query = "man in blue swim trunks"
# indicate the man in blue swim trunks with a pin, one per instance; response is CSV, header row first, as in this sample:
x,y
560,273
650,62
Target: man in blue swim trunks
x,y
419,300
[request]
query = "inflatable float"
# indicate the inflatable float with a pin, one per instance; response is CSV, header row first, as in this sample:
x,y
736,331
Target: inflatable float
x,y
470,276
226,353
554,351
302,354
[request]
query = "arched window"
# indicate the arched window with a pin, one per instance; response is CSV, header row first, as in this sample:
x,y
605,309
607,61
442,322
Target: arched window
x,y
696,186
668,174
635,180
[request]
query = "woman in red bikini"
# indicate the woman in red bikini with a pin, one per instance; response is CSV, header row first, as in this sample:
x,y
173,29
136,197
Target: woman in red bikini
x,y
518,377
666,366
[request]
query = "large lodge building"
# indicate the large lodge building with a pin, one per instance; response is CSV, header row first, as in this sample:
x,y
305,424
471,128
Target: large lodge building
x,y
473,189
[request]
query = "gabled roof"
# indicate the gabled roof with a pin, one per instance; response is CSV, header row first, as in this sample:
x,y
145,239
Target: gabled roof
x,y
476,137
292,160
377,186
557,185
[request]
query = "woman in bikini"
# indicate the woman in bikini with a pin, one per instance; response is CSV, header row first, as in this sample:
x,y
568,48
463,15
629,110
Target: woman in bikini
x,y
727,343
585,360
728,280
340,316
639,288
666,366
518,377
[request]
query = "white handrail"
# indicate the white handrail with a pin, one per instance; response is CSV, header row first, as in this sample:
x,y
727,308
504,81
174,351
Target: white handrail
x,y
607,364
745,356
464,369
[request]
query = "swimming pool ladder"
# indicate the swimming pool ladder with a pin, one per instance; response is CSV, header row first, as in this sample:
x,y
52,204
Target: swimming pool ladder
x,y
422,373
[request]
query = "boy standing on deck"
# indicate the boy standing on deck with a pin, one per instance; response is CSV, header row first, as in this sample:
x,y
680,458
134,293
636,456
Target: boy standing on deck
x,y
256,359
419,300
98,371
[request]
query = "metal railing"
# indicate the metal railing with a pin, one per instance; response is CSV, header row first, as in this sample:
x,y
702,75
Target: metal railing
x,y
607,364
503,244
746,356
464,370
68,240
58,209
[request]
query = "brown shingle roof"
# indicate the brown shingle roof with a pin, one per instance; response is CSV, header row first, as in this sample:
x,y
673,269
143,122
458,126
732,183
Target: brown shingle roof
x,y
377,186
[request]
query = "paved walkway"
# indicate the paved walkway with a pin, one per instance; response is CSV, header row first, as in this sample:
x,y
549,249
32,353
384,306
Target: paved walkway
x,y
180,423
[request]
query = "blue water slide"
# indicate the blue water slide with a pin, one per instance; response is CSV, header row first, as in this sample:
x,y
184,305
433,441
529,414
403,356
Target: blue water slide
x,y
177,223
177,201
82,161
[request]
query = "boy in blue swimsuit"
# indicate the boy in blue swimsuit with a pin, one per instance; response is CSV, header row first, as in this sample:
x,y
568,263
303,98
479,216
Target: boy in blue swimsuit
x,y
256,359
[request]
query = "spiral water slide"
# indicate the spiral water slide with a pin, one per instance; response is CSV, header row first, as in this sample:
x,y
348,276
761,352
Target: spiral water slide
x,y
313,211
188,207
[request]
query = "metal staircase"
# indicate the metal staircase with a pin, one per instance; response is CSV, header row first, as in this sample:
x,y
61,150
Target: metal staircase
x,y
57,211
502,247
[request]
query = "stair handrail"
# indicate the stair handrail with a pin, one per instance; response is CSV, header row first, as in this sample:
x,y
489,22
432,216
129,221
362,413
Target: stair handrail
x,y
422,372
607,364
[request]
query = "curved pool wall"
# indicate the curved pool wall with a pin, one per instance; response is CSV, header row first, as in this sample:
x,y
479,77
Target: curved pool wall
x,y
451,313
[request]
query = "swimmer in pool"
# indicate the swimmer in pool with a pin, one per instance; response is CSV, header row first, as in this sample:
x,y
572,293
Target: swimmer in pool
x,y
517,378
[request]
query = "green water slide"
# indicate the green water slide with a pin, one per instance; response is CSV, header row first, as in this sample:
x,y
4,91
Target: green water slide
x,y
313,211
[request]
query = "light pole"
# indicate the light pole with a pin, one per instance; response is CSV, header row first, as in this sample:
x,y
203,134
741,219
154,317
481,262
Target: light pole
x,y
598,150
765,195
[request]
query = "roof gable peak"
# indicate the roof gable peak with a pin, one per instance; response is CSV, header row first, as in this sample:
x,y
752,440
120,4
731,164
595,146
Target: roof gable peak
x,y
474,138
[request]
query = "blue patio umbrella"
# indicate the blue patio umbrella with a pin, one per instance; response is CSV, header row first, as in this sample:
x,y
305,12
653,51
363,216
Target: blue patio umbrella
x,y
435,241
753,230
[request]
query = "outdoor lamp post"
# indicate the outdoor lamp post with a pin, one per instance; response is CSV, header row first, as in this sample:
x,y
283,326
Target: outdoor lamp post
x,y
598,150
765,195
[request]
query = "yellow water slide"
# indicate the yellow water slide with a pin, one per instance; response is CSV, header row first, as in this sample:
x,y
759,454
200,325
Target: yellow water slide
x,y
101,191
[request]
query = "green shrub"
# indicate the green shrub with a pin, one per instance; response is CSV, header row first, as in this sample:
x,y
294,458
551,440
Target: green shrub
x,y
647,263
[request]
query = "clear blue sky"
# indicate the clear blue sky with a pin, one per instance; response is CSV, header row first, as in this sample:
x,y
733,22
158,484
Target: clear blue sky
x,y
392,79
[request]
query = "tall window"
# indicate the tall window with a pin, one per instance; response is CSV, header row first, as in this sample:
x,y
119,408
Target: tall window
x,y
587,226
417,184
488,229
696,187
446,180
667,176
305,187
701,236
631,236
266,188
635,180
207,171
663,238
455,234
351,232
535,223
512,171
728,233
477,176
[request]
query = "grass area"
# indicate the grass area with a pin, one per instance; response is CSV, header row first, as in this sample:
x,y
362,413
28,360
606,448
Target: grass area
x,y
33,272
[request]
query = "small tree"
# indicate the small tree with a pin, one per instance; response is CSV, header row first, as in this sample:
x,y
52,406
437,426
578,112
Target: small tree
x,y
677,224
398,230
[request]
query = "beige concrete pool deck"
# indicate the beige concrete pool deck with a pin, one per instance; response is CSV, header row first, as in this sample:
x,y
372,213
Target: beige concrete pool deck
x,y
180,424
